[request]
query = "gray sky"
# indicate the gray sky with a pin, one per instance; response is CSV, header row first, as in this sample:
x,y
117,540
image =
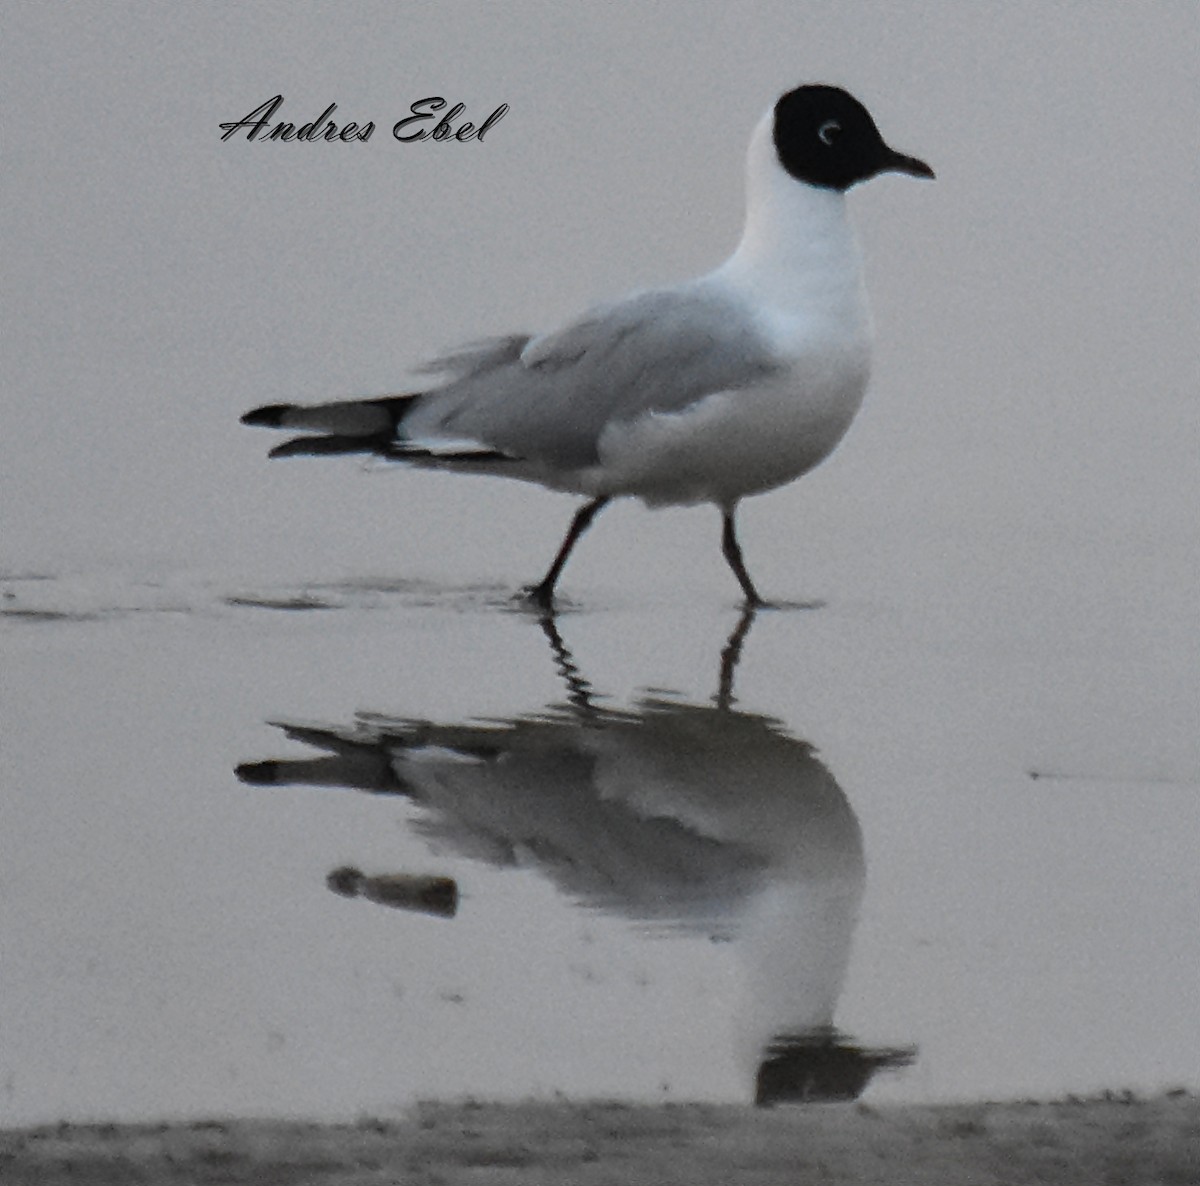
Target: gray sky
x,y
1036,308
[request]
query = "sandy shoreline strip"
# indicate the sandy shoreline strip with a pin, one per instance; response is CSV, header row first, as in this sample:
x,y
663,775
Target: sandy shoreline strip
x,y
1108,1141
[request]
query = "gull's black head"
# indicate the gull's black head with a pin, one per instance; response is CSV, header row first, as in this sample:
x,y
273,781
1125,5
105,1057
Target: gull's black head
x,y
827,138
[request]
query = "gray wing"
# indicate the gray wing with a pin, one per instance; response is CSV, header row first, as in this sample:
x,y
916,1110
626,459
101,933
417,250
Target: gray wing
x,y
549,398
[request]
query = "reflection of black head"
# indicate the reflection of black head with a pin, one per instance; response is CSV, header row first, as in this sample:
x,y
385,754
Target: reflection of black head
x,y
820,1068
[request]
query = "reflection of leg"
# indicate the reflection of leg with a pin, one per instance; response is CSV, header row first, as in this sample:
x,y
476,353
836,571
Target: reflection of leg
x,y
543,593
579,691
731,656
733,554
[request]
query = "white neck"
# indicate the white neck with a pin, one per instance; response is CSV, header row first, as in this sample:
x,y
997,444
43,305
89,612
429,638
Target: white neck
x,y
798,251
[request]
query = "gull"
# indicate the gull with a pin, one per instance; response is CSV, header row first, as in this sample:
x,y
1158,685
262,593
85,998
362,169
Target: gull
x,y
724,386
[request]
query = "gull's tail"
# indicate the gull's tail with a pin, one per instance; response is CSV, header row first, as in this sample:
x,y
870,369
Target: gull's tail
x,y
348,426
369,426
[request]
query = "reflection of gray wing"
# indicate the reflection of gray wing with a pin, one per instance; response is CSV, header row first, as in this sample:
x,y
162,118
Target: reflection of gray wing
x,y
675,812
549,398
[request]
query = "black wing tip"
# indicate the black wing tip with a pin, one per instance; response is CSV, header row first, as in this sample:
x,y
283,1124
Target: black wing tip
x,y
328,446
258,774
268,416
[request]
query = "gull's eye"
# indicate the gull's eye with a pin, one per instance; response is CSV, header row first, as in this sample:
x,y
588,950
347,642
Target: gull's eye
x,y
829,130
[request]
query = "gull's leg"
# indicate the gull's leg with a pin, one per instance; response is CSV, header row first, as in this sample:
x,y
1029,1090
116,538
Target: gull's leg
x,y
733,554
543,593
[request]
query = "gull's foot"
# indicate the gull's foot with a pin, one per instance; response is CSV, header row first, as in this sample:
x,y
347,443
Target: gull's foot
x,y
752,607
537,597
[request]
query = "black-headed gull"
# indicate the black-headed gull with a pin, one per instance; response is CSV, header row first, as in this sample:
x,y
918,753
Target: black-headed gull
x,y
724,386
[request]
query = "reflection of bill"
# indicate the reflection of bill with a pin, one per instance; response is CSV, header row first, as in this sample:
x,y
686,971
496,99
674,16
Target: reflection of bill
x,y
677,815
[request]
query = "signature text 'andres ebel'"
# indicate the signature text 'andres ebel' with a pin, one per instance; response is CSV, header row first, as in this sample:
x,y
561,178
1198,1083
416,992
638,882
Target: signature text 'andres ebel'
x,y
258,126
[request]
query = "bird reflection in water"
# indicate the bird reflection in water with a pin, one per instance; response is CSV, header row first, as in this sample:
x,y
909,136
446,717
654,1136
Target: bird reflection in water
x,y
680,816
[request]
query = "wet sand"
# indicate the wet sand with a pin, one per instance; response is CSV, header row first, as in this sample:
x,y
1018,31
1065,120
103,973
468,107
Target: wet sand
x,y
1109,1141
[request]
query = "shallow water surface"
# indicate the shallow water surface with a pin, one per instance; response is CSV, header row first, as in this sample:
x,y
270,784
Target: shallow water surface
x,y
324,848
